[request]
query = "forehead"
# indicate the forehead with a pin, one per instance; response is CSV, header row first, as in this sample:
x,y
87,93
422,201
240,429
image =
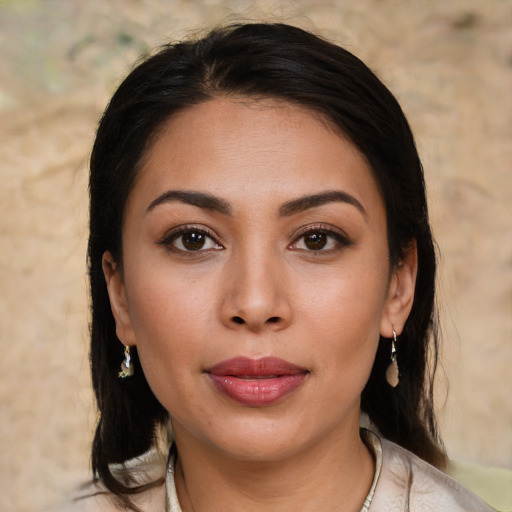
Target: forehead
x,y
247,148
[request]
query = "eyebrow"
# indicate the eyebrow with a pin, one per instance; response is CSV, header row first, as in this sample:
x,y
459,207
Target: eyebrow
x,y
306,202
199,199
214,203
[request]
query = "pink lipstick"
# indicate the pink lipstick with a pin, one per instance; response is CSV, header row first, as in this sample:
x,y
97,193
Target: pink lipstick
x,y
256,382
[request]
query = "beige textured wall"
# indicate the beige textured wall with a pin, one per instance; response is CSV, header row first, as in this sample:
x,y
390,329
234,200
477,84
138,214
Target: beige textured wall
x,y
449,62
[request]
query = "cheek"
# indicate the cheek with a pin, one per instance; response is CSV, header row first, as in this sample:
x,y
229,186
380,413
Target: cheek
x,y
351,295
169,316
168,300
343,315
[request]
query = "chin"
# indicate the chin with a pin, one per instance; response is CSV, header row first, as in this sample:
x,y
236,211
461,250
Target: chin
x,y
264,451
265,440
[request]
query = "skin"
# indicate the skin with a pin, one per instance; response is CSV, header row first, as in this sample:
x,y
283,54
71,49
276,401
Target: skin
x,y
257,289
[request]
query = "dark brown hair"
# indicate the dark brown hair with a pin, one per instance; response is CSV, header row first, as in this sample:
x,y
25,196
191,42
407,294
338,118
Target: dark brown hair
x,y
281,62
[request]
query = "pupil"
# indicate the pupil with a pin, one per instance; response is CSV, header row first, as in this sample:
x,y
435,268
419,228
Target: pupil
x,y
193,241
316,241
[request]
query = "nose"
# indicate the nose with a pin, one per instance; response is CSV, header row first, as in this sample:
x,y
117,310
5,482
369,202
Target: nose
x,y
256,296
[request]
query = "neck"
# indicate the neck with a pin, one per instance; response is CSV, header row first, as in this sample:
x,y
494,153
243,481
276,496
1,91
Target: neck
x,y
334,474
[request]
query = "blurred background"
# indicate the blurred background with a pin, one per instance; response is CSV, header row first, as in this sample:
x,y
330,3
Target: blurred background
x,y
448,62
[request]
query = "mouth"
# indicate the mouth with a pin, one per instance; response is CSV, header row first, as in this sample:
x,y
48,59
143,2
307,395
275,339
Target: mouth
x,y
256,382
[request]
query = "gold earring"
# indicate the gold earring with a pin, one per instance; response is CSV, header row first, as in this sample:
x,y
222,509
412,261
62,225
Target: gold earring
x,y
392,373
126,365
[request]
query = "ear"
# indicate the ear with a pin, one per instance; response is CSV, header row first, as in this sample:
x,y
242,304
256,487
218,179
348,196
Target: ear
x,y
118,301
400,293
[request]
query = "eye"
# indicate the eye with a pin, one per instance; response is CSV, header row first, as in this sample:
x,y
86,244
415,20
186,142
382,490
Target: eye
x,y
315,241
190,239
319,240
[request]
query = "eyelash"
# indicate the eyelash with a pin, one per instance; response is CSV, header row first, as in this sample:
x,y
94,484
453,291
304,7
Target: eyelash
x,y
340,239
176,233
170,238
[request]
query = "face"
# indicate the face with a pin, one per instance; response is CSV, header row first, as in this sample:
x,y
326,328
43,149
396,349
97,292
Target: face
x,y
255,277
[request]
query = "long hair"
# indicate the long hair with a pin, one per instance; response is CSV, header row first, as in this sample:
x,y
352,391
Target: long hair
x,y
266,61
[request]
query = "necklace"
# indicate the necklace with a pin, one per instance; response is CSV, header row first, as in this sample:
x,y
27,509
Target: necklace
x,y
371,440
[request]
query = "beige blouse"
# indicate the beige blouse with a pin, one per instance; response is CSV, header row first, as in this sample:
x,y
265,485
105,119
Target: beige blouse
x,y
402,483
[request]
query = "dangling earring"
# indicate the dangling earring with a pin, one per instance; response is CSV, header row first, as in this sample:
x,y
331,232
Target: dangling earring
x,y
392,374
126,365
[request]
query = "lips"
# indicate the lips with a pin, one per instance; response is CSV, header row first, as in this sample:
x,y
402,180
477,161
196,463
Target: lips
x,y
256,382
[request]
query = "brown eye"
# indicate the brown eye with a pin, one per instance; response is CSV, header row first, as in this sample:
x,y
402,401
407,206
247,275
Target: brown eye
x,y
193,241
321,239
315,241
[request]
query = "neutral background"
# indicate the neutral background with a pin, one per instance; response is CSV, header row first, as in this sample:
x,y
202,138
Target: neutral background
x,y
449,63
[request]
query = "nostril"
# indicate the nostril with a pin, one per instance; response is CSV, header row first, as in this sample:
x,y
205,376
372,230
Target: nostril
x,y
273,320
238,320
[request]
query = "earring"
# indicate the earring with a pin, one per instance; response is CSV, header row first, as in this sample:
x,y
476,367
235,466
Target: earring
x,y
126,365
392,374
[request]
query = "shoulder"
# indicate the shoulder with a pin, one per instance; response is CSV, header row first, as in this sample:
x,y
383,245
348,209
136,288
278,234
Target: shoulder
x,y
148,469
86,499
94,498
408,483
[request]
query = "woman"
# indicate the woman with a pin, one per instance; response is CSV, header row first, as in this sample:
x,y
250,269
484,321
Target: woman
x,y
262,269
